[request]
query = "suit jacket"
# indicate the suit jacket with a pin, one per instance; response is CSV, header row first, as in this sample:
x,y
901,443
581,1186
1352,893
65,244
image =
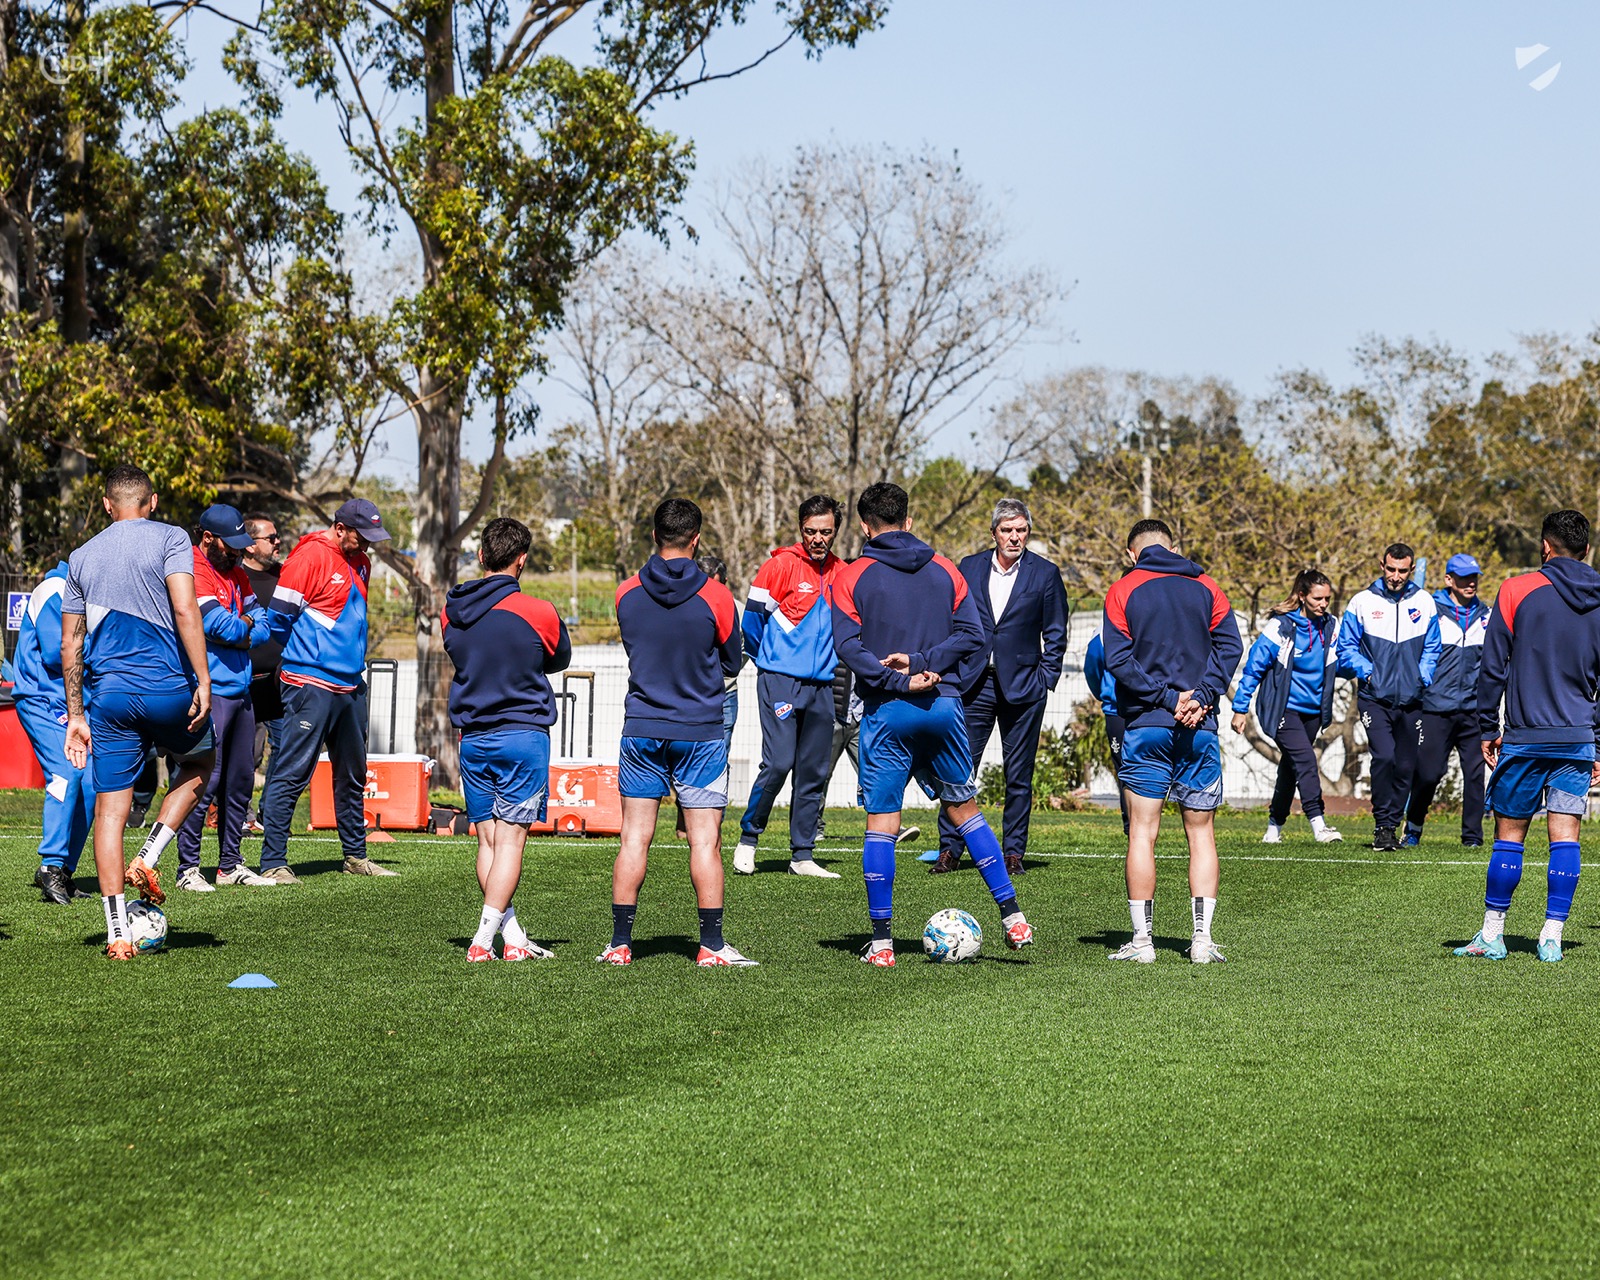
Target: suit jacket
x,y
1031,639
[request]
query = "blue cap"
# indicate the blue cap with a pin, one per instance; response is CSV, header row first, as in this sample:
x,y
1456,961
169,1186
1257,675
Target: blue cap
x,y
226,523
1462,566
363,517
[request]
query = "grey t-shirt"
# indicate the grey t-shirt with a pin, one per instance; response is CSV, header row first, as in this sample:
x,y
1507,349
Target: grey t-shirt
x,y
118,581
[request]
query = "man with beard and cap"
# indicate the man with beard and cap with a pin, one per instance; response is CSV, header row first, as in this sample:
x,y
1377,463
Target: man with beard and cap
x,y
234,622
1542,656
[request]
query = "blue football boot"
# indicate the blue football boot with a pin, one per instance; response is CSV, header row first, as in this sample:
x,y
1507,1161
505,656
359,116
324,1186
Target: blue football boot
x,y
1550,951
1483,948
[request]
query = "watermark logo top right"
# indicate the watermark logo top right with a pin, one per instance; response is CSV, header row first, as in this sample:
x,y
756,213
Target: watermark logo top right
x,y
1529,54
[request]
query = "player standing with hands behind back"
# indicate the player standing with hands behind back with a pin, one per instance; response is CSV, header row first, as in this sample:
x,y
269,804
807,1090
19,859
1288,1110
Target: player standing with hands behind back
x,y
1542,654
1171,644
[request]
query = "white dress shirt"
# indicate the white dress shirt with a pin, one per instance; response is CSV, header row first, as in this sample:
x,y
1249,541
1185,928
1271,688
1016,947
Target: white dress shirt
x,y
1001,581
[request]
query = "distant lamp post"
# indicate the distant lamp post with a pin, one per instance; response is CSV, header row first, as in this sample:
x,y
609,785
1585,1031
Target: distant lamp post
x,y
1150,430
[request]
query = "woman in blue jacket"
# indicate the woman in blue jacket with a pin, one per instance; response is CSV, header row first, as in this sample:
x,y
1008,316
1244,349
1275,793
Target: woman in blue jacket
x,y
1290,671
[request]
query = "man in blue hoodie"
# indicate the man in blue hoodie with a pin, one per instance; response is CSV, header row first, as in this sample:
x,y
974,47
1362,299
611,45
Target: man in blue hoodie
x,y
1171,644
681,631
1542,655
903,622
41,697
504,645
1450,703
1388,642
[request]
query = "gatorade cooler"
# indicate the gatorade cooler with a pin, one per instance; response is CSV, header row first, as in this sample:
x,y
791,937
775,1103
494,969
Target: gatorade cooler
x,y
395,799
584,799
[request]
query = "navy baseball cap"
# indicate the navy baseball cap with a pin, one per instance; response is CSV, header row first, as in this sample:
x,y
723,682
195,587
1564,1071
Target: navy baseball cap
x,y
226,523
1462,566
362,516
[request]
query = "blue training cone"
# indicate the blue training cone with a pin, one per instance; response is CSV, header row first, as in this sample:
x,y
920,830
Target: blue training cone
x,y
252,980
931,856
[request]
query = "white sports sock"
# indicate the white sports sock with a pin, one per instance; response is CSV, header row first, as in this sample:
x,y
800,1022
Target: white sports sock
x,y
488,922
1551,931
511,930
159,838
1494,924
1319,824
1204,909
1142,911
116,917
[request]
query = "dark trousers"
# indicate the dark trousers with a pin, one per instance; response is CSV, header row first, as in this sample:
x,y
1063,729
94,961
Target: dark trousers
x,y
1441,734
799,740
1116,729
312,717
233,778
1392,736
1019,723
1297,764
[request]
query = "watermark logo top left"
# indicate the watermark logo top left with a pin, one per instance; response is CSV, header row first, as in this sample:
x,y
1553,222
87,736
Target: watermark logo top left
x,y
58,64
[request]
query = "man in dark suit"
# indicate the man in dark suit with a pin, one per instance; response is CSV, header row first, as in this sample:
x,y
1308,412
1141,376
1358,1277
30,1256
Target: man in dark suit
x,y
1023,607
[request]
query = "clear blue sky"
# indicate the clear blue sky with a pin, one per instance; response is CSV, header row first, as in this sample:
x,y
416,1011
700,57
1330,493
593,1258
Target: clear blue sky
x,y
1234,188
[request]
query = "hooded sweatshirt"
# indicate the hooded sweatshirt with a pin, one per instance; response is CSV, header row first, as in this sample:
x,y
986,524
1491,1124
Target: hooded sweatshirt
x,y
1168,628
1460,632
682,636
1388,642
788,626
1542,652
504,646
901,597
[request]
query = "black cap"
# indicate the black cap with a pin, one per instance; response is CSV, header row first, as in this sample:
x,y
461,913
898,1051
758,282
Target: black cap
x,y
226,523
362,516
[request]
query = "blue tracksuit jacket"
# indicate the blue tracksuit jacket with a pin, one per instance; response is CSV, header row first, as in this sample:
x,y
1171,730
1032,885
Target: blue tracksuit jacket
x,y
1460,633
1291,664
1388,643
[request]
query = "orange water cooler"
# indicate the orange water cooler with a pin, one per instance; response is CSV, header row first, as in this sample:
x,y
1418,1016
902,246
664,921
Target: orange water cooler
x,y
584,799
395,797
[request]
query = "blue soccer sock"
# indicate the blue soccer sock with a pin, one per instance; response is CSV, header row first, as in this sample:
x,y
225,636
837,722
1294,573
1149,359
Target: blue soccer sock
x,y
1505,873
991,863
1563,878
877,865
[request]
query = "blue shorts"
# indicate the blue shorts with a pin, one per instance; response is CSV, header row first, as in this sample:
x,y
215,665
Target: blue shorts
x,y
124,725
1522,785
1173,764
653,768
505,774
924,737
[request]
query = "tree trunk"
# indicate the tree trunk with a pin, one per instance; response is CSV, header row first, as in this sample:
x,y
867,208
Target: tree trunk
x,y
438,418
10,302
73,465
438,511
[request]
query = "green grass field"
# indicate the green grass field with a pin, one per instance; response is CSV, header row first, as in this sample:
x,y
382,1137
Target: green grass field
x,y
1343,1098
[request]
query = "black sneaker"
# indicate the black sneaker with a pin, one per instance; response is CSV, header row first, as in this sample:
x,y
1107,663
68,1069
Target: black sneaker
x,y
74,892
53,885
1384,841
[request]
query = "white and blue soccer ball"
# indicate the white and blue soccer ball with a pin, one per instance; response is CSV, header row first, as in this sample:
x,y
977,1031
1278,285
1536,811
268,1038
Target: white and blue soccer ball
x,y
952,937
147,926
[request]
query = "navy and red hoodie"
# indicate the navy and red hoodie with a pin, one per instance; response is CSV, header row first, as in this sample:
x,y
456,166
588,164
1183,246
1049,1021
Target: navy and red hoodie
x,y
900,596
1542,652
1168,628
504,645
681,631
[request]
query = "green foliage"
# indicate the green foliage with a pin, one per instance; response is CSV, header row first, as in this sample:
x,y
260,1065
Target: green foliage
x,y
1067,761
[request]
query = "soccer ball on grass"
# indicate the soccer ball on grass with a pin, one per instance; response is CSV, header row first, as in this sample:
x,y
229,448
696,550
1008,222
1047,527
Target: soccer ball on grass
x,y
147,926
952,937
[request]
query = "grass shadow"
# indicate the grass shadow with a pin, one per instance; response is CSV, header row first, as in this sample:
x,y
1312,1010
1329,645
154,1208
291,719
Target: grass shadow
x,y
676,944
550,944
906,949
323,866
184,941
1111,939
1520,945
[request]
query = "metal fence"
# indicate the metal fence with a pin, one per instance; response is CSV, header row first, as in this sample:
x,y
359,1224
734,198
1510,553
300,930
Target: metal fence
x,y
1247,775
